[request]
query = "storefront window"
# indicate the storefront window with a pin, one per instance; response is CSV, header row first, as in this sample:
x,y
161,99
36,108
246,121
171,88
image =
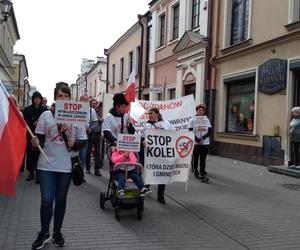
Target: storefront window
x,y
240,106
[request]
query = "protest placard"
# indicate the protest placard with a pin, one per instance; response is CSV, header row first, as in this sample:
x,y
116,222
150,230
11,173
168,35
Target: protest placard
x,y
202,121
71,112
177,111
129,143
167,156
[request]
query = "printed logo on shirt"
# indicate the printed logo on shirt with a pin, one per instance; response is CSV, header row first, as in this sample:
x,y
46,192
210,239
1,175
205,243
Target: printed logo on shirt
x,y
54,136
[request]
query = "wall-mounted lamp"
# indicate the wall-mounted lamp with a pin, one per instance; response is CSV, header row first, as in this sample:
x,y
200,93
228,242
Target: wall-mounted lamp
x,y
5,6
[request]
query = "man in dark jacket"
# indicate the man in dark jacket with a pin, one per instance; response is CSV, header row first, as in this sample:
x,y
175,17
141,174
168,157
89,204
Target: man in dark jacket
x,y
31,115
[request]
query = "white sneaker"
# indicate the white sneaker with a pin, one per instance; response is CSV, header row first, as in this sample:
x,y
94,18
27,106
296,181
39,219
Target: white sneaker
x,y
121,194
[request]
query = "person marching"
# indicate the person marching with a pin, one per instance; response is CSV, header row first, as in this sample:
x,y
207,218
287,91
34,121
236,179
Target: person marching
x,y
294,134
60,143
201,127
155,122
117,121
31,115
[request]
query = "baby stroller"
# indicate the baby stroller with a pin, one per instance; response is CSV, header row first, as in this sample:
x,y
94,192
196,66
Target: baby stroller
x,y
132,197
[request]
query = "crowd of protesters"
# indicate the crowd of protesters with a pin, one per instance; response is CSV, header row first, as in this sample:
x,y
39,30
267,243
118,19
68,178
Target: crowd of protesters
x,y
61,143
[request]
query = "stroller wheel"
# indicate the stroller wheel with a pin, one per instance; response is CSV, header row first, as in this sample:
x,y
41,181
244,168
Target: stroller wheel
x,y
102,200
117,213
139,211
113,200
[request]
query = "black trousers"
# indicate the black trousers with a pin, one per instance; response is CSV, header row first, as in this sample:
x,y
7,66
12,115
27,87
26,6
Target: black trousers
x,y
200,151
32,156
296,146
94,140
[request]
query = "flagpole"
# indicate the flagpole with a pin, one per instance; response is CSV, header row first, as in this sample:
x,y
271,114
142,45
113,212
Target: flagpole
x,y
39,146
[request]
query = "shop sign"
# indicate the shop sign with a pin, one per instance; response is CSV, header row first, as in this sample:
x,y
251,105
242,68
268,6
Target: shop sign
x,y
272,76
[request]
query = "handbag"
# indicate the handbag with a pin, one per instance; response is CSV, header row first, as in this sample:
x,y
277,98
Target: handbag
x,y
77,171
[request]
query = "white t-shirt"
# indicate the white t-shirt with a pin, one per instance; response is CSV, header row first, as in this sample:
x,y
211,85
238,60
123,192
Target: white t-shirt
x,y
202,130
113,124
157,125
55,147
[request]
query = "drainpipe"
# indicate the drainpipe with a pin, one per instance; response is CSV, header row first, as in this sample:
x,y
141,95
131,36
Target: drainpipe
x,y
107,69
141,57
208,52
19,83
214,68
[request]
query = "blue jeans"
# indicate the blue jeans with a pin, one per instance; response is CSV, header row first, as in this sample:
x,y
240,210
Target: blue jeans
x,y
82,155
132,175
54,185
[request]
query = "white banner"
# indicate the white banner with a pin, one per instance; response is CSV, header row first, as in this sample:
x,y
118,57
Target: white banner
x,y
177,111
129,143
202,121
168,156
71,112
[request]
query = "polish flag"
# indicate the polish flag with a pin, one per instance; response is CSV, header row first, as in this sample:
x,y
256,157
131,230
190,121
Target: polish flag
x,y
130,91
12,142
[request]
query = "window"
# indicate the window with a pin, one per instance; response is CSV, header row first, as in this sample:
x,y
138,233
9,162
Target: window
x,y
130,62
162,27
239,21
113,74
95,89
138,56
175,22
172,94
190,89
295,10
121,69
240,106
195,14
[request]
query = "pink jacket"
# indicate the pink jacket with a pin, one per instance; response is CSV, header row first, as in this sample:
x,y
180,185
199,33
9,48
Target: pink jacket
x,y
117,157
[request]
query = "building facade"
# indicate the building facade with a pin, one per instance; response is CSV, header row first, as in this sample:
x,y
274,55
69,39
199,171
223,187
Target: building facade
x,y
20,78
96,79
81,81
9,34
178,46
130,52
256,76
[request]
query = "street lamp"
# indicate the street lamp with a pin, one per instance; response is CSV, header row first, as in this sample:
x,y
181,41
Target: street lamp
x,y
6,6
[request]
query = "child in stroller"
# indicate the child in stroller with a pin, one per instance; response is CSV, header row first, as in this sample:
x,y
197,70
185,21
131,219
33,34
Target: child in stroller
x,y
127,171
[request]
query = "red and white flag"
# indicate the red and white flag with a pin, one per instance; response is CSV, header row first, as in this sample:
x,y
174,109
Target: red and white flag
x,y
12,142
130,91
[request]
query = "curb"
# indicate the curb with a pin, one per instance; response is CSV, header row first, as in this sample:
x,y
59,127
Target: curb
x,y
284,170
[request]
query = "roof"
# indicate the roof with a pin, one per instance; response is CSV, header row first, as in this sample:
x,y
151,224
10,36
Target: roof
x,y
152,2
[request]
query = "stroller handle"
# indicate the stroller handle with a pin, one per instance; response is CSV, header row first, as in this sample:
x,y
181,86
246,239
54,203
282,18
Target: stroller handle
x,y
139,166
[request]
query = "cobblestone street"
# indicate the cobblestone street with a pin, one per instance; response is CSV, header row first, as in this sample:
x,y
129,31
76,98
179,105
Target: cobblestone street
x,y
243,207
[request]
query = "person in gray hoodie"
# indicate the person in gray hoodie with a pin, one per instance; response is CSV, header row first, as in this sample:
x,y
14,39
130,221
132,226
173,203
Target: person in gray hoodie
x,y
295,136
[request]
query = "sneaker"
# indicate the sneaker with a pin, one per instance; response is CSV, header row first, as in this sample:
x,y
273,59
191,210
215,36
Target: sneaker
x,y
30,177
88,171
121,194
204,178
145,191
292,166
41,240
58,239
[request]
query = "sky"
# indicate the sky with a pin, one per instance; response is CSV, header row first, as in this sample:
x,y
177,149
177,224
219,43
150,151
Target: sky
x,y
57,34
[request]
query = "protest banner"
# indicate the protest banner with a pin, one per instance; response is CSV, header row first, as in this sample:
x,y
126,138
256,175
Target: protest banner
x,y
177,111
71,112
131,143
167,156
